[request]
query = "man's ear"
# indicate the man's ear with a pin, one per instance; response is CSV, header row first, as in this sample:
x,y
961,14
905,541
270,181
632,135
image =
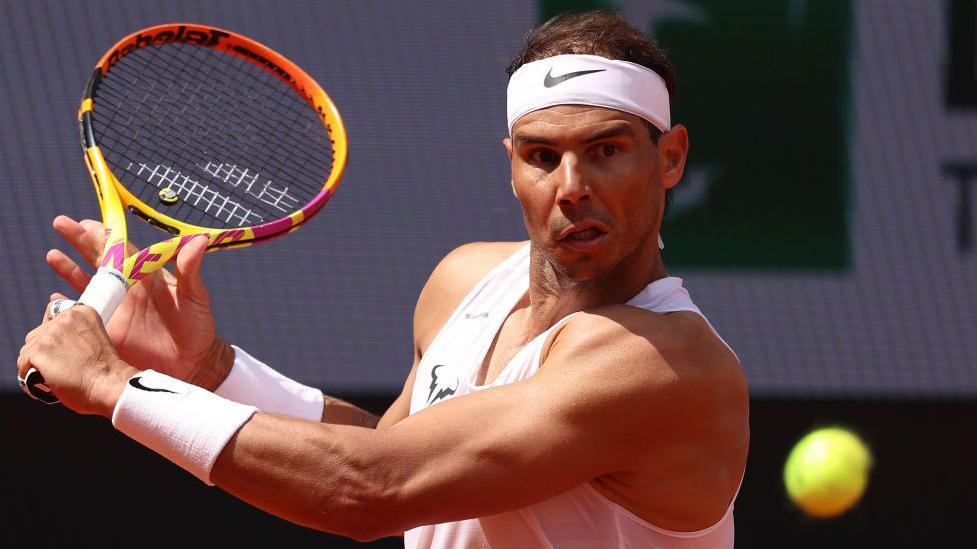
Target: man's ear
x,y
673,148
507,143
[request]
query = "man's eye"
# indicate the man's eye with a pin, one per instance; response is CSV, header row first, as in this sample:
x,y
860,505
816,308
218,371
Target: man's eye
x,y
609,150
545,157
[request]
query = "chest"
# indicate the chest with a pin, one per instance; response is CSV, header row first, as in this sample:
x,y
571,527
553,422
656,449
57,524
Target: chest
x,y
510,339
474,353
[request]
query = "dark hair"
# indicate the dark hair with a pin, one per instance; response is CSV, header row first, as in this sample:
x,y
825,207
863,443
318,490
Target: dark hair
x,y
599,32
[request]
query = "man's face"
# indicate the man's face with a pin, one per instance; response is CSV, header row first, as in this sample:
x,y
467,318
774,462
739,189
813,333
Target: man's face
x,y
591,184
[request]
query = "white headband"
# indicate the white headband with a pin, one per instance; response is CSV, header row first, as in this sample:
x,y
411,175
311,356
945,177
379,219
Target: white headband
x,y
588,80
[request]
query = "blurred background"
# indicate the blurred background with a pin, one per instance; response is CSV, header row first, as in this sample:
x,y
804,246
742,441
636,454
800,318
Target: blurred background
x,y
825,226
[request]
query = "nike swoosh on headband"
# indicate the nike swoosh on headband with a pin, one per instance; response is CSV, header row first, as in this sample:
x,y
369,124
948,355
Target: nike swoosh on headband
x,y
138,385
549,81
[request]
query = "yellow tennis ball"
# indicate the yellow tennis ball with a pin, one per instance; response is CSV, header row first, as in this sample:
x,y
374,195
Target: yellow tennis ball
x,y
827,471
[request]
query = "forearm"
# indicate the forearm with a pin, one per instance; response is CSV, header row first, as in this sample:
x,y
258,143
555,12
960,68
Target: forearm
x,y
328,477
463,458
320,476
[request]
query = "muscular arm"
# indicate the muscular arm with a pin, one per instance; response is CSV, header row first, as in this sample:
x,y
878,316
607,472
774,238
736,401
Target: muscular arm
x,y
609,398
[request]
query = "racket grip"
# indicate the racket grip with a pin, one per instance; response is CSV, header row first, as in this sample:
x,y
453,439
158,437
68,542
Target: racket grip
x,y
104,292
33,384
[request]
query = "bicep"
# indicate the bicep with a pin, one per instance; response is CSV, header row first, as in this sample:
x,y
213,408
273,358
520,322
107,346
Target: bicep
x,y
400,408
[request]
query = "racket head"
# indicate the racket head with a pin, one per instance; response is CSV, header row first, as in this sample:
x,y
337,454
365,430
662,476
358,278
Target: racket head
x,y
199,130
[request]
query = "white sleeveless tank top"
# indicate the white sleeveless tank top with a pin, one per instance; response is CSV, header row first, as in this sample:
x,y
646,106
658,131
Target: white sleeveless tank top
x,y
580,518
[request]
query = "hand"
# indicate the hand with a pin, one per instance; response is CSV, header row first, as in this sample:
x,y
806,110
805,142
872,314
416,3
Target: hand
x,y
78,363
165,321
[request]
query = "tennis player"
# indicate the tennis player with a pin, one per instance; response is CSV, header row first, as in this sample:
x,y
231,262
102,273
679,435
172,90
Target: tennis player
x,y
565,391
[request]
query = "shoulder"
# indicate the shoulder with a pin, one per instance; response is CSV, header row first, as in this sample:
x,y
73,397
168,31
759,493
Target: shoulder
x,y
675,396
453,277
467,264
679,339
647,362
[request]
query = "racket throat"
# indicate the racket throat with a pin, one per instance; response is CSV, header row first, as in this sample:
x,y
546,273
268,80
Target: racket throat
x,y
105,292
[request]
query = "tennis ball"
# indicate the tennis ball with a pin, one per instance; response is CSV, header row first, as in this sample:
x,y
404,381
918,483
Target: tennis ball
x,y
827,471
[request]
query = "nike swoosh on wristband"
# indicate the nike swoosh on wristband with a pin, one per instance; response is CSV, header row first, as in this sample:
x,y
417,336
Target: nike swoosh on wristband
x,y
138,385
551,80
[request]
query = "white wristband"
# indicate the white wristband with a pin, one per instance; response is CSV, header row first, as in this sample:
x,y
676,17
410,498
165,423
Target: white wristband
x,y
183,423
253,382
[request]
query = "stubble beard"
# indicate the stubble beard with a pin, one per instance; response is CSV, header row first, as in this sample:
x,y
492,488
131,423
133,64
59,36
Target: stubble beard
x,y
578,276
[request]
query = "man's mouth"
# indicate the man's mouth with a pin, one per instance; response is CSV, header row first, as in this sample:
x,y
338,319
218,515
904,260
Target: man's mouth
x,y
586,234
582,236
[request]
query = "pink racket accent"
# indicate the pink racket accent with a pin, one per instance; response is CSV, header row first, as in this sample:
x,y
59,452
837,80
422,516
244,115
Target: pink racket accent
x,y
141,258
229,236
114,256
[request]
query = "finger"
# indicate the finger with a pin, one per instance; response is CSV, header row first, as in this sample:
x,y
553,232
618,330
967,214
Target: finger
x,y
87,236
95,234
188,268
57,303
68,270
23,362
96,231
24,359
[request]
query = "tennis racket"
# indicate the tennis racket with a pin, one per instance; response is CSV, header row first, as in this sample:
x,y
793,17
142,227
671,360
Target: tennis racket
x,y
199,131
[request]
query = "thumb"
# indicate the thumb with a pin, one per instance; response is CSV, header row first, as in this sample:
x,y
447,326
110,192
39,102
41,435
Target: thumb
x,y
188,266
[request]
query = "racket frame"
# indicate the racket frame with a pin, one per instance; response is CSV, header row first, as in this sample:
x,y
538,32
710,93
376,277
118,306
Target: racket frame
x,y
114,198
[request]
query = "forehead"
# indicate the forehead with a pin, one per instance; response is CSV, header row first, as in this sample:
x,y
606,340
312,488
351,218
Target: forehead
x,y
573,121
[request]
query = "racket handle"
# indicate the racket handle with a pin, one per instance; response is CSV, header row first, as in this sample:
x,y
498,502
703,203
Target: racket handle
x,y
104,293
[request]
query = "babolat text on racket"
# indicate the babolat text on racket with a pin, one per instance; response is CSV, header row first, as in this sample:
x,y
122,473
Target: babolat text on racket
x,y
199,131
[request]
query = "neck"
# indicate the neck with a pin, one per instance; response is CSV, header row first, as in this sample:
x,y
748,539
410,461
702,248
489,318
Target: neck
x,y
553,296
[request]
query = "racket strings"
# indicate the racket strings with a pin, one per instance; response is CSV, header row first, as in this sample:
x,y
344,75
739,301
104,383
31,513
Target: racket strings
x,y
237,145
173,147
312,133
246,71
275,105
227,110
240,88
198,191
186,182
312,130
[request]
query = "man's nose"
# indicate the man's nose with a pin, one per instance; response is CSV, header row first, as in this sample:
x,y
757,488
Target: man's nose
x,y
572,185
